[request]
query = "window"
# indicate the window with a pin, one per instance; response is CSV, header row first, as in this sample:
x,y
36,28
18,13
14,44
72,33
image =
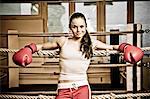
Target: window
x,y
58,17
116,18
142,16
19,9
89,10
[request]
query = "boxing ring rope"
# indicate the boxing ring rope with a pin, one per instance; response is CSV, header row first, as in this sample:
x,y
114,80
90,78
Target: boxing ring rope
x,y
120,96
55,52
99,33
105,96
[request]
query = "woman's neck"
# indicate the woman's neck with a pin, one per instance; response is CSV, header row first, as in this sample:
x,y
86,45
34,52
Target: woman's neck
x,y
76,39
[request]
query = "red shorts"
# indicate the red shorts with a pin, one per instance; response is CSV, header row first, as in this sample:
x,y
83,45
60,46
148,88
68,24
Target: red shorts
x,y
82,92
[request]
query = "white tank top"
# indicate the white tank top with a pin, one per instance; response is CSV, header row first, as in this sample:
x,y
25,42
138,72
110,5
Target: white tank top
x,y
72,62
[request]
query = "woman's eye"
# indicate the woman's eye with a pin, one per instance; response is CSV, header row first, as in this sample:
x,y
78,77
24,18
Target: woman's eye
x,y
81,26
74,27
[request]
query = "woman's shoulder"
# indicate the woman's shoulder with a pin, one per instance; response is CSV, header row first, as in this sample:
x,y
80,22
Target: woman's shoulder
x,y
94,40
61,40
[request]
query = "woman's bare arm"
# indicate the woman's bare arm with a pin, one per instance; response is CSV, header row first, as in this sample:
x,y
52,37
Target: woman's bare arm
x,y
55,44
101,45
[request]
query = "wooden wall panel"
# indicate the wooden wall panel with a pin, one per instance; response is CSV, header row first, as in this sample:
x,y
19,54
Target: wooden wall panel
x,y
24,26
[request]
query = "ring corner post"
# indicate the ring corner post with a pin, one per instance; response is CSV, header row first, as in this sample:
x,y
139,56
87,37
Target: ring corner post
x,y
13,70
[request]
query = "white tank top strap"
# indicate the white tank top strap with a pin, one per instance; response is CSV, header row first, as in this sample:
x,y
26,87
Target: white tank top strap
x,y
66,41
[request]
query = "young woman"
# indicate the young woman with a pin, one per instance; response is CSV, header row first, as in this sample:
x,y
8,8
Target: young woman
x,y
75,55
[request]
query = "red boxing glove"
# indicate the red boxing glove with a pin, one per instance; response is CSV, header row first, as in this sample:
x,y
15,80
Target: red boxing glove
x,y
23,57
33,47
132,54
122,46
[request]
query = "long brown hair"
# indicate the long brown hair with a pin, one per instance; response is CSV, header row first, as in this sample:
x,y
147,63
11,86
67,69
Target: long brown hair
x,y
86,43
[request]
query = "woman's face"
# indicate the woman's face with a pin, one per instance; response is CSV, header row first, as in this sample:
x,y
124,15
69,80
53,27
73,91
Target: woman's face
x,y
78,27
